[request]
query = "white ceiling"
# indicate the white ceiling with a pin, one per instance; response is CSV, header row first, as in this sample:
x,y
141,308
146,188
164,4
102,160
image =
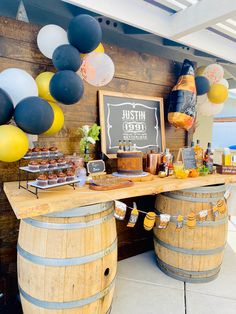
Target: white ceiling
x,y
206,25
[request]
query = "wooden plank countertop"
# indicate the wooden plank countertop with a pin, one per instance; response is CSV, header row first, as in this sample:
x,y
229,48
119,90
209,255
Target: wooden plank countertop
x,y
63,198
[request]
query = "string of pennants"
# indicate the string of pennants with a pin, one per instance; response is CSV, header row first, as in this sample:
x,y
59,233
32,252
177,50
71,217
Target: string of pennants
x,y
217,208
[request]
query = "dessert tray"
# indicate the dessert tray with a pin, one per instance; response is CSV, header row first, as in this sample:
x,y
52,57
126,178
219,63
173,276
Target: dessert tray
x,y
35,185
109,184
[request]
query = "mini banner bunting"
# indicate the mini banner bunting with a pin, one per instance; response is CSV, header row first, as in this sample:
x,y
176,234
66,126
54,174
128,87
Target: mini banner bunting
x,y
215,211
180,222
203,215
133,216
149,221
221,206
164,220
120,210
217,208
227,194
191,220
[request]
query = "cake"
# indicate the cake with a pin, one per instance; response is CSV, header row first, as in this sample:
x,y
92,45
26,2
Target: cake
x,y
130,162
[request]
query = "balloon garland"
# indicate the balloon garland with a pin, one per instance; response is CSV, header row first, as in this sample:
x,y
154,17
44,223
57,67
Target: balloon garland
x,y
76,54
212,89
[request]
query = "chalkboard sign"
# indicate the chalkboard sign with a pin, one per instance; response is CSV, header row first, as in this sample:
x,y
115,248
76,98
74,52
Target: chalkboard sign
x,y
96,166
128,117
188,157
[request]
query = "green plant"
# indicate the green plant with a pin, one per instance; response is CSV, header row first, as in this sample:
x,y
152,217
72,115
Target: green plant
x,y
89,137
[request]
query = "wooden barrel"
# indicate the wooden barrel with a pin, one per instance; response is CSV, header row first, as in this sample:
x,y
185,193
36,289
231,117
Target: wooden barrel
x,y
191,254
67,261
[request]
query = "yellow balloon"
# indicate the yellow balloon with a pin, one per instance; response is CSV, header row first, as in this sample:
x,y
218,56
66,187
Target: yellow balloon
x,y
99,48
218,93
14,143
43,81
58,121
200,71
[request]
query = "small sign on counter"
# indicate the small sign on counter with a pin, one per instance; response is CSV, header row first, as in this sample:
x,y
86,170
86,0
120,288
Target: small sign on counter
x,y
187,155
96,167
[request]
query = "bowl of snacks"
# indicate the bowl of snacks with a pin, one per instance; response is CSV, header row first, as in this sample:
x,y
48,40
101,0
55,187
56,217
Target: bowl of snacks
x,y
203,171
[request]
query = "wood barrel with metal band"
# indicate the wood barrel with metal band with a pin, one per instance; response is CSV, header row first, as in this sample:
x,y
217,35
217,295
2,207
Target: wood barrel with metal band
x,y
67,261
191,254
130,163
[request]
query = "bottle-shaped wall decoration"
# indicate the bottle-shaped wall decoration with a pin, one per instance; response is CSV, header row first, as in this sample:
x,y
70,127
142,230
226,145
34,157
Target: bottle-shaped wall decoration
x,y
182,105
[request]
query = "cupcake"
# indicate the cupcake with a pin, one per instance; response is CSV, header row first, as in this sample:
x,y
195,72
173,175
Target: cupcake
x,y
33,165
52,163
61,162
53,150
61,177
44,151
43,165
52,179
42,180
70,175
36,151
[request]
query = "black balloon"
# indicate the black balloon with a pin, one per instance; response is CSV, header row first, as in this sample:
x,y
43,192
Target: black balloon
x,y
34,115
6,107
66,87
84,32
66,57
202,85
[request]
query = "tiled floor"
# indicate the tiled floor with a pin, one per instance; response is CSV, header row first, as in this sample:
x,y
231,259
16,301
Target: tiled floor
x,y
142,288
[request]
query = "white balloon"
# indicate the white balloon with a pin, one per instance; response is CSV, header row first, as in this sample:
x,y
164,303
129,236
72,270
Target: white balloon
x,y
49,38
97,69
18,84
209,109
214,73
224,82
201,99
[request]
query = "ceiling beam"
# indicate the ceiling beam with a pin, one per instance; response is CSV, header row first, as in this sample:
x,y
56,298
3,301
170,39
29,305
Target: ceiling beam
x,y
211,43
152,19
137,13
201,15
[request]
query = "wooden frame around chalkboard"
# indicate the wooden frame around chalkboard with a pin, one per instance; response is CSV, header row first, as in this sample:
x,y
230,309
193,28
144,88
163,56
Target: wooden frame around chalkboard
x,y
103,93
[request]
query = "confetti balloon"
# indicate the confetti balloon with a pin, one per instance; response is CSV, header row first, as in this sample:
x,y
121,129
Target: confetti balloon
x,y
97,69
214,73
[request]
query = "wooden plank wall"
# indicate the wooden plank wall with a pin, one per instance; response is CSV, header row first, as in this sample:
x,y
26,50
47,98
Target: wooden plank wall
x,y
136,73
